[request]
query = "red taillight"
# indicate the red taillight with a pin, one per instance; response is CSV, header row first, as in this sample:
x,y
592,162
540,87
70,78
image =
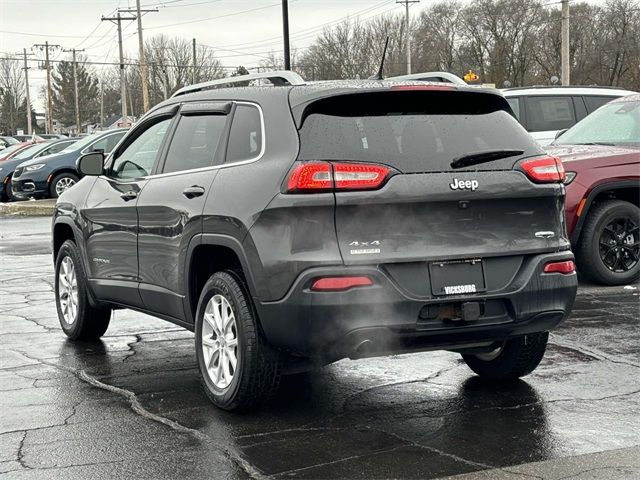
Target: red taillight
x,y
317,176
339,284
310,176
565,267
544,170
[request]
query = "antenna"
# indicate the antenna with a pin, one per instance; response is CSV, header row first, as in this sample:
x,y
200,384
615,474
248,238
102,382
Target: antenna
x,y
378,76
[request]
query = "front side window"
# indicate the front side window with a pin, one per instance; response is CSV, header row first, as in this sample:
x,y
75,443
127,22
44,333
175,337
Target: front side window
x,y
550,113
195,142
138,158
108,143
58,147
245,138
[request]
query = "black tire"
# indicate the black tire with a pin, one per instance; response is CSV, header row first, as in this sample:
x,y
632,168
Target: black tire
x,y
89,323
257,372
62,176
8,192
519,357
588,255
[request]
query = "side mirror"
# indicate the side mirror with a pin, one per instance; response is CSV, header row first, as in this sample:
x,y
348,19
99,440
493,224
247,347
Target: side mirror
x,y
91,164
560,133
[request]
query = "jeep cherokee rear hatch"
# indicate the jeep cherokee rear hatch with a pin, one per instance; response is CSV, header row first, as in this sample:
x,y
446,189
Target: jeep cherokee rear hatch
x,y
431,175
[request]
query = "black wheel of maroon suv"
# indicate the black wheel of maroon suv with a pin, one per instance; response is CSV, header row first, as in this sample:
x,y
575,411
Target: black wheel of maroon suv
x,y
609,248
78,319
513,359
238,369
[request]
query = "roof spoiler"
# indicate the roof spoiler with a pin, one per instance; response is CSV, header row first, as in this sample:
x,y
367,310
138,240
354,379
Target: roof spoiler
x,y
279,78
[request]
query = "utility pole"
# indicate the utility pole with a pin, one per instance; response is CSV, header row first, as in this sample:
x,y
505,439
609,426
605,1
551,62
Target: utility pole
x,y
26,84
46,46
195,68
143,64
101,104
565,44
75,88
123,90
285,34
407,30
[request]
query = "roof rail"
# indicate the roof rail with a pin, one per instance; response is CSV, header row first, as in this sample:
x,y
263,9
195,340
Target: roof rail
x,y
278,78
449,77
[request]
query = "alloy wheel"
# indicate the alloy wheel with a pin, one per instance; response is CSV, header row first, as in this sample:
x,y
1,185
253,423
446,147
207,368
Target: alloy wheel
x,y
619,245
68,291
220,341
64,184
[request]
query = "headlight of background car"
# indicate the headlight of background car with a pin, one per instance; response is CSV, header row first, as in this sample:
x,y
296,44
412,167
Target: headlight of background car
x,y
37,166
568,177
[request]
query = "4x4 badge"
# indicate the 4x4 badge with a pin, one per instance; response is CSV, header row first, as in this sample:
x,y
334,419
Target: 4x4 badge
x,y
463,184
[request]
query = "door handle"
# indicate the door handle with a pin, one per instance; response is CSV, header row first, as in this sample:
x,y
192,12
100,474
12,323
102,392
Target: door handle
x,y
193,191
130,195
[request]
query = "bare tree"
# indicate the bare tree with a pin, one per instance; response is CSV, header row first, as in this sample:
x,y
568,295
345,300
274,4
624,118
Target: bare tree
x,y
13,108
171,65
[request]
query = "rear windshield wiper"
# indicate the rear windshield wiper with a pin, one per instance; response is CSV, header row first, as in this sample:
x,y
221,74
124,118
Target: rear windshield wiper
x,y
597,143
483,157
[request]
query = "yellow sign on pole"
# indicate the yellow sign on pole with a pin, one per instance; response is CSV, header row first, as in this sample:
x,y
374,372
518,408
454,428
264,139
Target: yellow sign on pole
x,y
471,77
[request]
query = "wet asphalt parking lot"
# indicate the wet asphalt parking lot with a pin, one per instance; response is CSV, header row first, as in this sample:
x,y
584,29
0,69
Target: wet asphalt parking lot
x,y
131,406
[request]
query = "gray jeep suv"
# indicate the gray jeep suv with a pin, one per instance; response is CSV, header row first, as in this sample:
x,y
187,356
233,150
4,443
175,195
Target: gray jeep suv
x,y
298,224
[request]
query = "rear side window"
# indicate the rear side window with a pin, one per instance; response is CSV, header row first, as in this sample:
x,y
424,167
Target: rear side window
x,y
245,138
595,102
195,142
412,131
549,113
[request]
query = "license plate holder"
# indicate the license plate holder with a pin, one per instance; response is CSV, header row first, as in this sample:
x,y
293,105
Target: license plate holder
x,y
459,277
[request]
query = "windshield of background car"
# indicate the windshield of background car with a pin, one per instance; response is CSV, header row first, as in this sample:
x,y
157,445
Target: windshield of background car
x,y
11,149
29,151
412,131
616,123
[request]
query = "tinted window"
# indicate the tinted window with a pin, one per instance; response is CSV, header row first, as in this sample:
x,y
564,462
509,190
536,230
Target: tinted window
x,y
594,103
549,113
245,139
413,132
138,158
514,103
195,142
107,143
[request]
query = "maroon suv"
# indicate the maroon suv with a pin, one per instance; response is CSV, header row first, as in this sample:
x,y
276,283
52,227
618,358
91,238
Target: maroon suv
x,y
601,155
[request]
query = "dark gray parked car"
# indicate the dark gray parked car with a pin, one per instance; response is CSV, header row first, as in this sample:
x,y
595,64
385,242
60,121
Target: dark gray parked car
x,y
300,224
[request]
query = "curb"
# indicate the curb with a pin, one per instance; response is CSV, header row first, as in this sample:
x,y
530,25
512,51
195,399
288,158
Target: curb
x,y
29,208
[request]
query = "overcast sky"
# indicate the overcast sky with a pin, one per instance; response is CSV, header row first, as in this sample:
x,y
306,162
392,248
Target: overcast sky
x,y
240,31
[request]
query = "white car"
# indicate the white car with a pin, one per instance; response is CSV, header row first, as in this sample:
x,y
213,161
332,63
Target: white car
x,y
544,111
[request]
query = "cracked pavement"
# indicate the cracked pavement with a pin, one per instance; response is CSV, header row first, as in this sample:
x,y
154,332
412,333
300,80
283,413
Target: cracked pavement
x,y
131,406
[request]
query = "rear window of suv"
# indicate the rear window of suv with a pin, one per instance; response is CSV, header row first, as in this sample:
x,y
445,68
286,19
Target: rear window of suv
x,y
412,131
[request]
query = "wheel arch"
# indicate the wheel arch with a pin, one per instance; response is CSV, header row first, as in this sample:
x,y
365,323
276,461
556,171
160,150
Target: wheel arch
x,y
210,253
65,169
627,190
63,230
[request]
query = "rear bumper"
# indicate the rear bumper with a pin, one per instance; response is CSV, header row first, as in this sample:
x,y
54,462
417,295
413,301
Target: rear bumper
x,y
384,318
